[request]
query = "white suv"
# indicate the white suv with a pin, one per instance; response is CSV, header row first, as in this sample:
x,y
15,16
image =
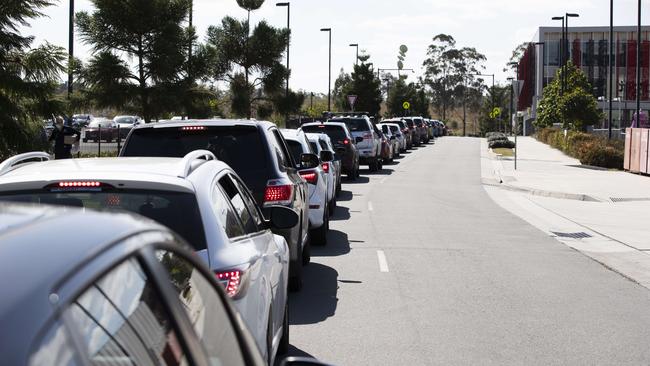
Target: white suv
x,y
198,197
317,181
369,143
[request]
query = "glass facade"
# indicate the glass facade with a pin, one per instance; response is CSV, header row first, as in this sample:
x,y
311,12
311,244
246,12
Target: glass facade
x,y
588,48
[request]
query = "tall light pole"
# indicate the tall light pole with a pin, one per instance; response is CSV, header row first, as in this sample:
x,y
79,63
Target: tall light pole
x,y
638,67
288,6
329,78
70,48
561,58
566,56
356,60
611,67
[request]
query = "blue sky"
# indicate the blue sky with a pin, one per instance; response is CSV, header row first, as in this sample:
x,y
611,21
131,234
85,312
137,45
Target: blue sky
x,y
493,27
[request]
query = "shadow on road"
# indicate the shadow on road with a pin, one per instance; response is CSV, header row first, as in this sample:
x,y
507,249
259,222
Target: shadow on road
x,y
360,180
317,301
344,196
337,244
293,352
341,213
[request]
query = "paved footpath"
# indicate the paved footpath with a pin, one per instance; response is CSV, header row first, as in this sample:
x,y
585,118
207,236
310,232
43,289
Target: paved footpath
x,y
424,268
603,213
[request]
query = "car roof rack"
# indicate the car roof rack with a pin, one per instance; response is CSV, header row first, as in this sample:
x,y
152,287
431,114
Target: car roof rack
x,y
193,160
14,162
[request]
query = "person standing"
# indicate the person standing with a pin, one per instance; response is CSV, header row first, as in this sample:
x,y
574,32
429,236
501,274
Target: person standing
x,y
64,137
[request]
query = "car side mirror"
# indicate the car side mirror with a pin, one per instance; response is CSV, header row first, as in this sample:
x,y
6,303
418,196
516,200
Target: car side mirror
x,y
301,361
358,140
283,217
326,156
309,161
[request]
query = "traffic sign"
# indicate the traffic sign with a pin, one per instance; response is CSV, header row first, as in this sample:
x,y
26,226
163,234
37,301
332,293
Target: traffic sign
x,y
352,99
406,105
496,112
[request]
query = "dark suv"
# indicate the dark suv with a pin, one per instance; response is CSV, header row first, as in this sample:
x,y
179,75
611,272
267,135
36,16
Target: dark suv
x,y
258,154
344,143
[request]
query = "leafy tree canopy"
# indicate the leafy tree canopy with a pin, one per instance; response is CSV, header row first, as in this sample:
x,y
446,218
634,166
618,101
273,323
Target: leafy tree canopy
x,y
576,108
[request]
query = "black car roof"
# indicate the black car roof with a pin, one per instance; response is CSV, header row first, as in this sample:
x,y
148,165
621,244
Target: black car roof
x,y
40,245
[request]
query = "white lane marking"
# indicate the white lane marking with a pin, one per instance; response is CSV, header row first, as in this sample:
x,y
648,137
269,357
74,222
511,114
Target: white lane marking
x,y
383,180
383,264
370,208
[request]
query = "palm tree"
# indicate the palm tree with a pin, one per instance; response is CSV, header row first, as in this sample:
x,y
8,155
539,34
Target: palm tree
x,y
28,77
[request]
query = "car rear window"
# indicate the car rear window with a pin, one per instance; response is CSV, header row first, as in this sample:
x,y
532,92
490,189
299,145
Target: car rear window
x,y
176,210
336,133
295,149
240,147
354,124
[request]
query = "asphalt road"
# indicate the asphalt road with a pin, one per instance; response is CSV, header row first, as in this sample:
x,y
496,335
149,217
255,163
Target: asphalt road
x,y
463,281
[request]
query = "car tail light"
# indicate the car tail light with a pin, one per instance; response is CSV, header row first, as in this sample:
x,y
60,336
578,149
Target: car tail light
x,y
79,184
234,282
346,142
310,176
326,167
193,128
278,194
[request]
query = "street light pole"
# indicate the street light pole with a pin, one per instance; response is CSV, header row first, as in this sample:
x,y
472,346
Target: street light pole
x,y
356,60
561,59
288,5
565,78
638,67
70,48
516,128
610,66
329,78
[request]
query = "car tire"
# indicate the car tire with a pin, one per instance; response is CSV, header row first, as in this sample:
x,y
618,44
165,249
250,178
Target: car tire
x,y
319,235
332,206
306,253
338,187
283,347
295,281
352,175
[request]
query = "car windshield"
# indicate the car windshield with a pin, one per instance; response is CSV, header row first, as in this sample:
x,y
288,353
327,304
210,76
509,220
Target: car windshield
x,y
336,133
296,150
176,210
354,124
240,147
125,120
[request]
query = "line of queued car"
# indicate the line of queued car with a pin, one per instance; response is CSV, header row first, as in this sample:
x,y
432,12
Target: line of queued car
x,y
241,202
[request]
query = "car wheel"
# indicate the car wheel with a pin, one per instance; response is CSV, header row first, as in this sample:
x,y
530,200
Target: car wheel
x,y
352,174
338,187
269,340
319,235
283,347
295,281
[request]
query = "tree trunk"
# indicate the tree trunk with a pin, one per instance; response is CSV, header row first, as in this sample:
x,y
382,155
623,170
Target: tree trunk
x,y
144,93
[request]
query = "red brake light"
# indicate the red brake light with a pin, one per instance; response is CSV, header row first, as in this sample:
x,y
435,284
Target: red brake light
x,y
278,194
79,184
193,128
310,176
326,167
346,142
232,281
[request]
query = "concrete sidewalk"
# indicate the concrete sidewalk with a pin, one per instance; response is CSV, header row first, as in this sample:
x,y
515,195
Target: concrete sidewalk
x,y
602,213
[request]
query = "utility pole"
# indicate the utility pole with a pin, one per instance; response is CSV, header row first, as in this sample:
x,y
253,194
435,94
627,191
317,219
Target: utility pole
x,y
638,68
356,60
329,78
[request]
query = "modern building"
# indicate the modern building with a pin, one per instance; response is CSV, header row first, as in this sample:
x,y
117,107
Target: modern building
x,y
588,47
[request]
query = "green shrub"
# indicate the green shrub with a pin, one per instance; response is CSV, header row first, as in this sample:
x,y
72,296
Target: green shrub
x,y
589,149
502,144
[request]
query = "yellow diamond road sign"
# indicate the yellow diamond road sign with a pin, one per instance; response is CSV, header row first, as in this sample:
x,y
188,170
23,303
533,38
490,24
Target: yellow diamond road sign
x,y
406,105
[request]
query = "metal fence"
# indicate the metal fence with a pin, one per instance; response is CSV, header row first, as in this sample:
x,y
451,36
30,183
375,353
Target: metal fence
x,y
101,141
